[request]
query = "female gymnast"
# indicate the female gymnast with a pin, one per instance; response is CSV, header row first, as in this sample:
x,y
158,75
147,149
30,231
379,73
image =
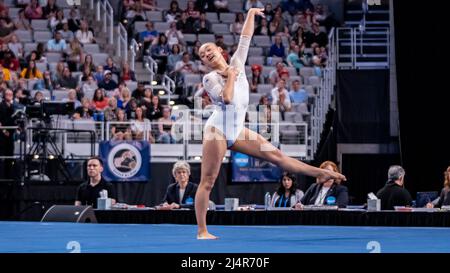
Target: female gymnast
x,y
228,88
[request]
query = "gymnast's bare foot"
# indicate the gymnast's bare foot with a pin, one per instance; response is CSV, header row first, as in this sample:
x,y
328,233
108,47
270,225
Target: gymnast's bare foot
x,y
206,236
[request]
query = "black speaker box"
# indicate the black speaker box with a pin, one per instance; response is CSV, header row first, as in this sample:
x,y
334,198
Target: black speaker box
x,y
75,214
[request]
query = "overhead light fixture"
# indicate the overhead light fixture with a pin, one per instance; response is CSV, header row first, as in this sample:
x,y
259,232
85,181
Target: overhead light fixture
x,y
161,92
171,102
154,82
36,156
198,158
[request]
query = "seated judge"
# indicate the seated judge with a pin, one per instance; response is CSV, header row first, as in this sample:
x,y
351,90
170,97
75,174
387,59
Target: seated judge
x,y
89,191
394,192
318,193
180,194
444,198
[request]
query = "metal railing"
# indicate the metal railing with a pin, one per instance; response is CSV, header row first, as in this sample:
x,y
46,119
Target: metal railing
x,y
152,67
134,48
122,43
105,10
169,85
324,96
366,47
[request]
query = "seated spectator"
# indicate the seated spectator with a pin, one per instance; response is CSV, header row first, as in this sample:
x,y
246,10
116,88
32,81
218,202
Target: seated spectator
x,y
174,13
293,59
148,36
174,36
264,117
58,74
127,74
38,98
99,100
263,28
50,9
57,21
88,192
141,125
137,13
317,65
274,75
21,22
31,72
48,82
108,83
160,51
5,74
318,37
280,97
99,74
67,80
20,99
174,57
121,130
192,12
57,44
84,111
330,192
89,86
66,33
111,66
202,25
394,192
221,5
139,92
75,55
185,66
155,110
72,97
33,10
297,93
74,20
110,111
444,197
287,194
236,27
10,61
253,4
16,46
123,98
165,124
84,35
256,78
130,108
184,24
277,26
180,194
146,101
6,30
277,48
88,62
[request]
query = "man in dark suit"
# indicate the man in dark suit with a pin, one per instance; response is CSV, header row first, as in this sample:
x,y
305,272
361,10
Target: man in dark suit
x,y
394,193
180,194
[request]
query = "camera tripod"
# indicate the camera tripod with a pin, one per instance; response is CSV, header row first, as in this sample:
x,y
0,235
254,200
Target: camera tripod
x,y
43,150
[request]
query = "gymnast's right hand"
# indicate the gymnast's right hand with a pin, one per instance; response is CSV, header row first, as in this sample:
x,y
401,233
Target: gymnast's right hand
x,y
232,71
257,11
326,175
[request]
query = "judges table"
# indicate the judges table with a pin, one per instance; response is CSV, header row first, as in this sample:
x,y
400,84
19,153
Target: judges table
x,y
291,217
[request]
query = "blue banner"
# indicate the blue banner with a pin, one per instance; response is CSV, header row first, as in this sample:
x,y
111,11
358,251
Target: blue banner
x,y
125,161
249,169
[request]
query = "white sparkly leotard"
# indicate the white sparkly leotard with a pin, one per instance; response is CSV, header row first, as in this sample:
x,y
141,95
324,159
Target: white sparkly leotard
x,y
229,118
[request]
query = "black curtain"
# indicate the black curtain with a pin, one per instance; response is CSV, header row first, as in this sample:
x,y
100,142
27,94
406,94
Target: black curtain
x,y
366,173
422,75
363,106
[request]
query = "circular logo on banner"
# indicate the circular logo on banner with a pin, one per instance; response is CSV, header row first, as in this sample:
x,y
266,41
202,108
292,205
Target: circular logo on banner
x,y
241,160
124,160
